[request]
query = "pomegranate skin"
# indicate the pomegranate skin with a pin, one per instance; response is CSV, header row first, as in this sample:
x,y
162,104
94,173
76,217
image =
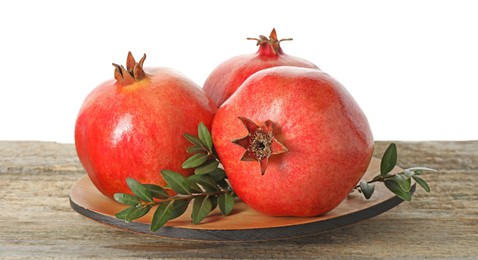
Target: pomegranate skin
x,y
327,136
229,75
136,130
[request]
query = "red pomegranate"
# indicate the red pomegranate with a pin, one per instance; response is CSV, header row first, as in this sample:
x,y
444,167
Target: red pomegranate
x,y
229,75
133,126
293,141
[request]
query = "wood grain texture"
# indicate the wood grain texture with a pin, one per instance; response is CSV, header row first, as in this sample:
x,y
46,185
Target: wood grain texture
x,y
36,220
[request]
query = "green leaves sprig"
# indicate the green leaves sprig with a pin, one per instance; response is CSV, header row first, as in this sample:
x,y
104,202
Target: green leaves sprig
x,y
399,183
207,188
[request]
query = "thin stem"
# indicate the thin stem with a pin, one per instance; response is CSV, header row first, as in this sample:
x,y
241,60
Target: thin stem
x,y
380,179
183,197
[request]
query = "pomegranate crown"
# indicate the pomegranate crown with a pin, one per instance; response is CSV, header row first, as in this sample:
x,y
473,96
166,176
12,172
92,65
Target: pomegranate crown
x,y
133,71
259,143
271,40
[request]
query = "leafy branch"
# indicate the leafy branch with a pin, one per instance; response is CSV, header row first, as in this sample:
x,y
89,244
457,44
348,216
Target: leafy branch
x,y
207,188
399,183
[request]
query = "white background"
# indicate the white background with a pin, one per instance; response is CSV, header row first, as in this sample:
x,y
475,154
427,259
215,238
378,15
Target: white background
x,y
411,65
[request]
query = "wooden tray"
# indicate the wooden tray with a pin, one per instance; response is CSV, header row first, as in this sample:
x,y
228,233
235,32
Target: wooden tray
x,y
244,224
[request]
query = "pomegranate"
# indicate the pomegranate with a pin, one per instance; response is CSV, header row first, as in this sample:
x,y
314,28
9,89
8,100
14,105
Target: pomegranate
x,y
133,126
228,76
292,141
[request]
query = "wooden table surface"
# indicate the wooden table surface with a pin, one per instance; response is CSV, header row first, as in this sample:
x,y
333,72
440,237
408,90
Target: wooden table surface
x,y
36,220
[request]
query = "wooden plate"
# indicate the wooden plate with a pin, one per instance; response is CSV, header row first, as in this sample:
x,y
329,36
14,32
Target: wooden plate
x,y
244,224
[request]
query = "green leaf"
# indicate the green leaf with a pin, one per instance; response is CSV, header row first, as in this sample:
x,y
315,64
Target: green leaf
x,y
201,208
132,213
418,172
157,191
122,214
422,183
394,187
389,159
206,181
195,149
213,202
176,181
223,184
194,140
137,213
127,199
139,189
367,189
422,169
205,136
214,152
195,161
161,215
404,182
226,203
194,187
408,173
207,167
218,174
179,207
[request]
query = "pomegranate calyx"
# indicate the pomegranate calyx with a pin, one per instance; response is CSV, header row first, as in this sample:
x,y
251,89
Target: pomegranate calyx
x,y
272,41
133,71
259,143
